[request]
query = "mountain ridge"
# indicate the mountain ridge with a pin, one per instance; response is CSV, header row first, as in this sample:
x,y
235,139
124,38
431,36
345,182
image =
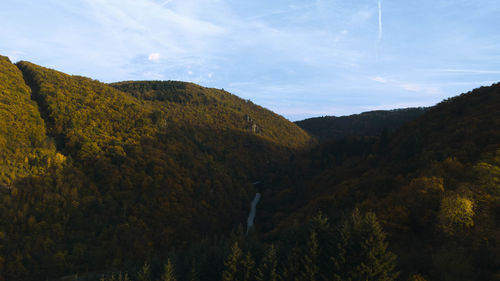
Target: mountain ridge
x,y
107,178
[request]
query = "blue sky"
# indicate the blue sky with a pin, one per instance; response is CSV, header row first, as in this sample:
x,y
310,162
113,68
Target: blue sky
x,y
298,58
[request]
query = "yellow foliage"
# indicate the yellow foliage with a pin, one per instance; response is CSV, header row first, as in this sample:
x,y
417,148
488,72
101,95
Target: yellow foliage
x,y
456,214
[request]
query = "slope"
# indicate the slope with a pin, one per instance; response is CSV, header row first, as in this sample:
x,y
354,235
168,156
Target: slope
x,y
24,148
367,124
433,183
216,109
134,177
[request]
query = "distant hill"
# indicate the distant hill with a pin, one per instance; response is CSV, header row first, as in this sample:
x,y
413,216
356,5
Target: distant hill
x,y
433,183
368,124
216,108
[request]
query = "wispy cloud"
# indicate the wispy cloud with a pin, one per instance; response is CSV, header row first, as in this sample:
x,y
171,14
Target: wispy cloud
x,y
389,106
378,79
317,52
468,71
408,86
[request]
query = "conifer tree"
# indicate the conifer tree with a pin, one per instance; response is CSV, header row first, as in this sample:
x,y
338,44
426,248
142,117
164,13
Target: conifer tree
x,y
362,251
310,259
267,270
248,267
145,273
233,264
169,274
294,266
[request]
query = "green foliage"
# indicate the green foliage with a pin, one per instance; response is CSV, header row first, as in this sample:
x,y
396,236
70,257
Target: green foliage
x,y
248,267
147,173
310,260
267,270
233,264
368,124
362,251
145,273
169,273
188,102
98,178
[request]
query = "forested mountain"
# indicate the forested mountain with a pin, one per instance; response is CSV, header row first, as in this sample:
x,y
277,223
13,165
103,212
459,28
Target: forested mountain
x,y
109,178
152,180
366,124
433,183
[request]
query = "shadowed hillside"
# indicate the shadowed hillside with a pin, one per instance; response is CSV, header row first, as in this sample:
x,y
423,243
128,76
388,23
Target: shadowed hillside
x,y
433,183
367,124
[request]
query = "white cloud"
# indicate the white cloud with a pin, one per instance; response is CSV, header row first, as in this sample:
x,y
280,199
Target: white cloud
x,y
390,106
154,57
378,79
468,71
420,88
408,86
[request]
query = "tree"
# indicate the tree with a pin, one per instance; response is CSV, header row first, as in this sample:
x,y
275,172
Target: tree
x,y
145,273
248,267
310,260
169,274
267,270
233,264
456,214
362,251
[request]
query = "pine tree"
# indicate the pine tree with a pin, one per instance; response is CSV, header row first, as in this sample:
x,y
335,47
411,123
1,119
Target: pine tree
x,y
248,267
145,273
294,265
233,264
169,274
310,259
362,251
267,270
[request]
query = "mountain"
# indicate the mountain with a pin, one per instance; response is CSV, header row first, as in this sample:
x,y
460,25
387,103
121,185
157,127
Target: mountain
x,y
433,183
92,169
367,124
142,180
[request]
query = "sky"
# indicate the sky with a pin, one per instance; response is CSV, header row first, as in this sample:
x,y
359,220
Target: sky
x,y
298,58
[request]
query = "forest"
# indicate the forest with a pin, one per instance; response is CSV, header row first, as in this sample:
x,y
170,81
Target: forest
x,y
152,180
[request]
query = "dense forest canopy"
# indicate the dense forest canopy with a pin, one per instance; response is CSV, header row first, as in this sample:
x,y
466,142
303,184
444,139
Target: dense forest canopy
x,y
152,180
367,124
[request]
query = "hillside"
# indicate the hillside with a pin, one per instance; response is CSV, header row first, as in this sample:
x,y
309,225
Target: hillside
x,y
216,109
23,143
433,184
366,124
93,169
152,180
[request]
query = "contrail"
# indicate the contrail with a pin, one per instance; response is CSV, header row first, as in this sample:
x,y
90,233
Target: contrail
x,y
379,20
